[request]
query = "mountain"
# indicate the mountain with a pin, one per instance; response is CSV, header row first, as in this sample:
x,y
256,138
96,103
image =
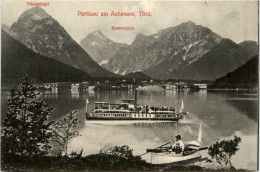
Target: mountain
x,y
99,47
138,76
187,51
5,28
40,32
183,45
249,48
17,59
221,59
245,76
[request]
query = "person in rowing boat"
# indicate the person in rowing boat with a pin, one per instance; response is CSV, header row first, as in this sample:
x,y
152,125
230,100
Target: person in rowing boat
x,y
178,146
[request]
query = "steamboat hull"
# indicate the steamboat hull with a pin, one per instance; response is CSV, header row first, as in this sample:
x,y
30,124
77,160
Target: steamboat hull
x,y
127,121
131,119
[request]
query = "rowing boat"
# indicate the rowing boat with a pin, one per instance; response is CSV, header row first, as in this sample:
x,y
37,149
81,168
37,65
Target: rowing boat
x,y
164,154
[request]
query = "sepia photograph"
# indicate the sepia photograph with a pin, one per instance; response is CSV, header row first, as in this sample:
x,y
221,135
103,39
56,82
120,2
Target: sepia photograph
x,y
129,85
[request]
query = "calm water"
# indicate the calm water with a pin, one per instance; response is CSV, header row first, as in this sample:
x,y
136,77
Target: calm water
x,y
224,114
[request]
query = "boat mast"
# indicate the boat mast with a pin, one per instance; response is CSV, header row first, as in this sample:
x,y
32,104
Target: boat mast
x,y
135,105
87,105
182,106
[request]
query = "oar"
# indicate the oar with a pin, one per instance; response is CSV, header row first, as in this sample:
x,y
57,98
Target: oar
x,y
203,148
156,148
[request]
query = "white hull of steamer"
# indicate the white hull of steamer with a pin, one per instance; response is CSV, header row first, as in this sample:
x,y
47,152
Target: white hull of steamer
x,y
108,117
128,122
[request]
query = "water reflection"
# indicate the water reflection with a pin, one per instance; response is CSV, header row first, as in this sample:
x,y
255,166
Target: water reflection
x,y
91,93
51,94
74,93
202,94
249,109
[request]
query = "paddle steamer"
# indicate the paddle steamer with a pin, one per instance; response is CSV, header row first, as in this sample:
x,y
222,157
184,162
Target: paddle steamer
x,y
130,110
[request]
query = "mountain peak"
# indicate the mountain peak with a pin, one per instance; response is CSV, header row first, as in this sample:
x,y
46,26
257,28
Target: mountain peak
x,y
140,35
188,24
44,35
37,13
100,47
99,34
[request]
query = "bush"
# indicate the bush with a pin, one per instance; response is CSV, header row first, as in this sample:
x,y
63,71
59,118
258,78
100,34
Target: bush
x,y
223,150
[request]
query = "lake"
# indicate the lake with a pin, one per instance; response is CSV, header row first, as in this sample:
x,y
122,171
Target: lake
x,y
224,114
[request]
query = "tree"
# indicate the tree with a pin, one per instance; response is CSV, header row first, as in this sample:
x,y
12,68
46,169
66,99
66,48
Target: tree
x,y
63,130
25,129
223,150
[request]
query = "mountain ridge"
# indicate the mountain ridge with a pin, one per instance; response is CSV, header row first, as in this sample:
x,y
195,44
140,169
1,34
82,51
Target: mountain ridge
x,y
245,76
179,52
148,51
187,51
223,58
43,34
17,60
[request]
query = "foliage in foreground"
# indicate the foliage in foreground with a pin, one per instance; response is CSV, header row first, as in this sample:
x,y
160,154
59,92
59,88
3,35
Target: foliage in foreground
x,y
110,158
223,150
25,129
115,158
121,151
96,162
63,130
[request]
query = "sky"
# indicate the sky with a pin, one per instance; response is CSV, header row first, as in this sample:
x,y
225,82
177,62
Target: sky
x,y
236,20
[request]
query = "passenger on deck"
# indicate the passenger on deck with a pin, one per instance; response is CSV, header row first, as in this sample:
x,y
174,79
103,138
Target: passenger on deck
x,y
178,146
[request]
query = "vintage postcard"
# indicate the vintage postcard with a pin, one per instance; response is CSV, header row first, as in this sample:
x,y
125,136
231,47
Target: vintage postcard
x,y
129,85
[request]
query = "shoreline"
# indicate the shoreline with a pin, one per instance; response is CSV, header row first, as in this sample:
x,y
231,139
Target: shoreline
x,y
232,89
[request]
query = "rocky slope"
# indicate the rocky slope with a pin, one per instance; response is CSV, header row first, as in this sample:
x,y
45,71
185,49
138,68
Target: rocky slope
x,y
5,28
99,47
40,32
17,59
221,59
184,44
